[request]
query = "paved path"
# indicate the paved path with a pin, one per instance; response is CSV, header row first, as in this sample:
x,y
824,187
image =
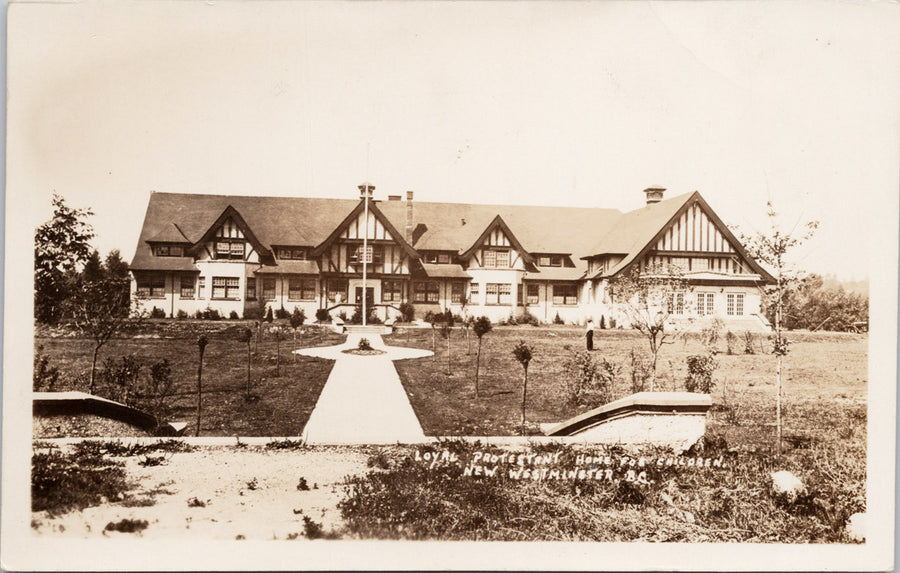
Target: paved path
x,y
363,401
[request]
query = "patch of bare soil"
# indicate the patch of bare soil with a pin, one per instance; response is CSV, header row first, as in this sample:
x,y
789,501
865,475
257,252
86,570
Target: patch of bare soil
x,y
224,493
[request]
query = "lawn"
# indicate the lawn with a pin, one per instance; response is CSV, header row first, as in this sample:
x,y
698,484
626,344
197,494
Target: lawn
x,y
281,402
823,372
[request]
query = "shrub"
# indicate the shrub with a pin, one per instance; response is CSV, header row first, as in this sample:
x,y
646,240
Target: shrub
x,y
298,317
157,392
252,313
558,320
364,344
45,376
602,322
641,370
181,315
589,381
407,312
120,379
748,343
61,482
700,373
269,318
233,315
710,335
612,322
127,525
343,316
208,314
528,318
157,313
282,313
322,315
370,316
730,340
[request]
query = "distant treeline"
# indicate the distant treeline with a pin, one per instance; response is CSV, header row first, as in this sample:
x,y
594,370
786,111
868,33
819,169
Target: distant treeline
x,y
817,303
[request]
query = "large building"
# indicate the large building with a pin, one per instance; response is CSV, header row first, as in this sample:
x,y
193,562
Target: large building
x,y
235,253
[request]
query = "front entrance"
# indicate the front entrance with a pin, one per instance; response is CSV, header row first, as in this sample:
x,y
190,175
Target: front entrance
x,y
370,296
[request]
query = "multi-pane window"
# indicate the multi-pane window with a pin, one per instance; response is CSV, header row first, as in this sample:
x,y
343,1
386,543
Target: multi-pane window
x,y
230,249
492,293
201,287
473,293
490,258
168,251
505,293
268,288
502,259
152,286
301,289
699,264
187,287
226,287
550,261
443,258
426,291
544,260
391,291
680,263
532,297
251,288
337,290
676,303
456,292
734,304
706,303
565,294
296,254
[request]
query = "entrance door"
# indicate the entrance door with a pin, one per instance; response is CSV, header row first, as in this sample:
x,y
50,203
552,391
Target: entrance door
x,y
370,296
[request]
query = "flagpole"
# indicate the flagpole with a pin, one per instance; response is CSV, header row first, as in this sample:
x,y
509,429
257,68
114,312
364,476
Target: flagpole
x,y
366,187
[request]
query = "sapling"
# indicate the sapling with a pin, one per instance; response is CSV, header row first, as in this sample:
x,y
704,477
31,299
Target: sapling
x,y
247,336
524,353
201,344
481,326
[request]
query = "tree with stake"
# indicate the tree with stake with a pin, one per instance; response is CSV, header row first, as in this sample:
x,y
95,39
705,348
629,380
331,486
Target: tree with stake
x,y
771,248
445,333
297,319
431,319
247,336
650,297
276,331
524,354
201,344
481,326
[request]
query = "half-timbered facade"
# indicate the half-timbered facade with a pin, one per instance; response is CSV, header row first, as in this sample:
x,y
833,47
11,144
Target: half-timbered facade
x,y
236,253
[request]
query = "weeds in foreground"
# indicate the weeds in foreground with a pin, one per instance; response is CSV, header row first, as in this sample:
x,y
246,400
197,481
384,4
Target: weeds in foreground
x,y
62,482
127,525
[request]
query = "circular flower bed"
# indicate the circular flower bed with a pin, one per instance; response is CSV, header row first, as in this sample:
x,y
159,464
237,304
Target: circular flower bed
x,y
358,352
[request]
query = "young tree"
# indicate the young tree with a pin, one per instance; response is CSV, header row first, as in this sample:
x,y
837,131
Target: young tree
x,y
524,354
247,336
432,320
445,334
650,297
99,310
298,317
61,245
202,341
481,326
772,248
116,267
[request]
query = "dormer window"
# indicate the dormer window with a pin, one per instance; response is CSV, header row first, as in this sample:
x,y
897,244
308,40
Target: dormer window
x,y
550,260
168,251
285,253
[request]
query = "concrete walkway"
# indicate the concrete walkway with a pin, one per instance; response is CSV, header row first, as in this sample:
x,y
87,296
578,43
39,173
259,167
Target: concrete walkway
x,y
363,401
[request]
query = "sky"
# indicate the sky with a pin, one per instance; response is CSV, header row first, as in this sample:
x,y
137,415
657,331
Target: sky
x,y
564,103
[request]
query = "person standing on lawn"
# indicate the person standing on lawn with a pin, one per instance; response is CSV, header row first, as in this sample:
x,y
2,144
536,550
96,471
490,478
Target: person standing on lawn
x,y
589,333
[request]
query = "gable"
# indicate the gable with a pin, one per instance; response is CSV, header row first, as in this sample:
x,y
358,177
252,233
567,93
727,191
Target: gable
x,y
231,225
694,231
498,234
354,227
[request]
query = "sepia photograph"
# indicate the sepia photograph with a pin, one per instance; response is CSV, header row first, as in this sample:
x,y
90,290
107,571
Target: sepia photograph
x,y
451,285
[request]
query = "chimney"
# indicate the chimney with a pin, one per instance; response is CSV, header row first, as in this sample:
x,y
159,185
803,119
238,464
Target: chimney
x,y
409,217
393,197
365,189
654,194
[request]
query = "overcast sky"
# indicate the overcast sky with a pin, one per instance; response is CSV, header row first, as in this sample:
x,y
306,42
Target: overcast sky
x,y
581,104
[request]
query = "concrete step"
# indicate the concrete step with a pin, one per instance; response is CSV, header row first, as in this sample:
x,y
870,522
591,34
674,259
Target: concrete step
x,y
368,329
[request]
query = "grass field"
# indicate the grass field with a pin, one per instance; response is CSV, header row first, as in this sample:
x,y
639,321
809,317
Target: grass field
x,y
282,403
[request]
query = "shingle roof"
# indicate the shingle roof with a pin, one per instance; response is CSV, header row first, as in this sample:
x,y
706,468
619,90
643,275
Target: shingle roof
x,y
434,270
151,263
290,268
169,234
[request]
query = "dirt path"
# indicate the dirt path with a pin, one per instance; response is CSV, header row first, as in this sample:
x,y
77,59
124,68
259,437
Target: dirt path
x,y
363,401
250,492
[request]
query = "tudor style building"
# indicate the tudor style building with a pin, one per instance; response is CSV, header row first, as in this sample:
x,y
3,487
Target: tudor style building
x,y
234,253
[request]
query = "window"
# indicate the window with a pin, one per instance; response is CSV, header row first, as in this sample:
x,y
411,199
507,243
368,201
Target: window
x,y
187,287
706,303
428,291
532,297
680,263
301,289
735,304
226,287
251,288
490,259
443,258
337,290
152,287
391,291
505,294
456,292
553,261
162,251
676,303
544,261
233,249
431,258
473,293
268,288
699,264
296,254
201,288
565,294
502,259
492,293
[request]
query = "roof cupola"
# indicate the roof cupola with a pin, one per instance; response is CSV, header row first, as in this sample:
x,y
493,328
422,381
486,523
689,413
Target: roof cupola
x,y
654,194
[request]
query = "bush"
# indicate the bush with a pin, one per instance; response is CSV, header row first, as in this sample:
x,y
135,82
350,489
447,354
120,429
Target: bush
x,y
157,392
558,320
269,318
602,322
748,343
298,317
181,315
700,373
528,318
343,316
370,316
364,344
233,315
710,335
119,379
322,315
282,313
407,312
589,381
612,322
62,482
208,314
252,313
641,370
45,376
730,341
157,313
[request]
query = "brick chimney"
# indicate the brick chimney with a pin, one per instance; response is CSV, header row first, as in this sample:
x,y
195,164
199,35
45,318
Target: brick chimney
x,y
654,194
409,217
